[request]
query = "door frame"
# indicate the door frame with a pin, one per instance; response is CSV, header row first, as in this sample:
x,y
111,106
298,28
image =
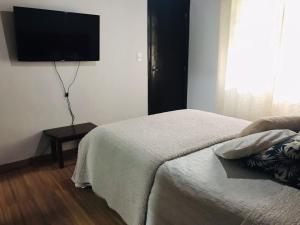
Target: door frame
x,y
149,42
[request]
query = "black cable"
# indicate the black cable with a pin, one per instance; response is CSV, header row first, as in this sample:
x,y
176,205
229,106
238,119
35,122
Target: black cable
x,y
74,79
67,90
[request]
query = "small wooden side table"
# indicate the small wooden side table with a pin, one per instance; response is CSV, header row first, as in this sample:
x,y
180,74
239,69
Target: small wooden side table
x,y
63,134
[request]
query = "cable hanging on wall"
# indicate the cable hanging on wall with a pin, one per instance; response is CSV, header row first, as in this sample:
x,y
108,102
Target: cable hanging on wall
x,y
67,89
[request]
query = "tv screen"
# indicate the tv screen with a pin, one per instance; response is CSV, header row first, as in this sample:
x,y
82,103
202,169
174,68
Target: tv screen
x,y
45,35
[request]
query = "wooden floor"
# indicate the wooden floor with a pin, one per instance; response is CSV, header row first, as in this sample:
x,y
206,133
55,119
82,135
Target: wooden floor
x,y
45,195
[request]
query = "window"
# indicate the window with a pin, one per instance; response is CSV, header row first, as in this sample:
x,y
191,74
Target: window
x,y
261,71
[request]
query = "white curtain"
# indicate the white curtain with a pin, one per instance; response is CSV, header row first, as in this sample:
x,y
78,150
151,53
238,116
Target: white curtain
x,y
259,63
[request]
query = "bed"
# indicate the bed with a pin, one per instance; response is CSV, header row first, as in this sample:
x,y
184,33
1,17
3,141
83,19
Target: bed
x,y
147,167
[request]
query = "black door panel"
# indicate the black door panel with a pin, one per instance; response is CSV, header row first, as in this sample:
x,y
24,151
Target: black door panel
x,y
168,40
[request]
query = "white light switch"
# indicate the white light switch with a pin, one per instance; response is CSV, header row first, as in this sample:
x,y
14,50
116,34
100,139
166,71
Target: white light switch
x,y
139,57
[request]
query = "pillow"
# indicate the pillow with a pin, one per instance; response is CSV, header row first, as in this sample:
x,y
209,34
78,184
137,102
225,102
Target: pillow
x,y
282,161
272,123
251,144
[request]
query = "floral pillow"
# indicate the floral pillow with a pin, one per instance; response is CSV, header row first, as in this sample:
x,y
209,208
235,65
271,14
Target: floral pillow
x,y
282,161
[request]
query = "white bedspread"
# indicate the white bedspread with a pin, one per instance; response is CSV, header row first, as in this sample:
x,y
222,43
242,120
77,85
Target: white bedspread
x,y
201,189
120,160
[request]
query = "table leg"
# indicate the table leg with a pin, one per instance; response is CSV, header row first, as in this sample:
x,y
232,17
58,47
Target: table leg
x,y
53,150
60,154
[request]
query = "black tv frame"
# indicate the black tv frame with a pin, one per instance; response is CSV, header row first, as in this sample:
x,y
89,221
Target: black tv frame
x,y
63,53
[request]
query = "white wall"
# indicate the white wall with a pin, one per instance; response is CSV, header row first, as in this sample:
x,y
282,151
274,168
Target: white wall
x,y
110,90
203,56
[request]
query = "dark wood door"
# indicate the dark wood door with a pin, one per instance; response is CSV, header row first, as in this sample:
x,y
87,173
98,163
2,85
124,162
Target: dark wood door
x,y
168,43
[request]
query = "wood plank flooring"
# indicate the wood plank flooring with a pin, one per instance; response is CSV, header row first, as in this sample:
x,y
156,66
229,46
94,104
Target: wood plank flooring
x,y
45,195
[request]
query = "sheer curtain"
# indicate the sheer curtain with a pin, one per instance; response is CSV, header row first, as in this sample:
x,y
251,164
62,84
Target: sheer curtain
x,y
259,63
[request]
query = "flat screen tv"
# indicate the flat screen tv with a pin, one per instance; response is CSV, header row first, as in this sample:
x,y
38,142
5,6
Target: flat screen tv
x,y
46,35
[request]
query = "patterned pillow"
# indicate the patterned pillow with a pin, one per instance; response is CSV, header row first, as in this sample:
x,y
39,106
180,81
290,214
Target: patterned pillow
x,y
281,161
